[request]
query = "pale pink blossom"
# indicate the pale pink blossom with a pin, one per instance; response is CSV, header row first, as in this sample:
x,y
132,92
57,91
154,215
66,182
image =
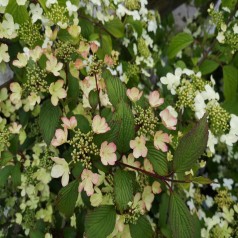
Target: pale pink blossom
x,y
138,146
134,94
169,118
108,60
60,169
15,128
99,125
60,137
94,47
88,180
160,139
53,66
148,197
130,160
69,123
107,153
148,166
156,187
79,64
155,100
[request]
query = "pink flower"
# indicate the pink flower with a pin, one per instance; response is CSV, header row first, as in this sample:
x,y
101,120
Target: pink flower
x,y
156,187
99,125
107,153
88,180
155,100
160,139
60,137
94,47
134,94
169,118
130,160
138,146
108,60
69,123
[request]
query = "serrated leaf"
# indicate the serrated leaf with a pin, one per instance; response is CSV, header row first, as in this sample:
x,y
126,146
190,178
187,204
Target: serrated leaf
x,y
49,120
158,159
67,198
115,88
201,180
123,189
178,43
191,146
115,27
180,219
100,222
230,78
208,66
141,229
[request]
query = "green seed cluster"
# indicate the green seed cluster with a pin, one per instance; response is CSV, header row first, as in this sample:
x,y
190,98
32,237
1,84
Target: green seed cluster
x,y
198,83
143,48
29,33
57,14
219,119
198,197
36,79
64,51
132,71
146,120
83,148
132,4
133,215
223,198
4,137
95,67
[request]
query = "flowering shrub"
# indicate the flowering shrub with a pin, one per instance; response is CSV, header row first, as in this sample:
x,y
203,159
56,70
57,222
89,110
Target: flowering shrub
x,y
105,134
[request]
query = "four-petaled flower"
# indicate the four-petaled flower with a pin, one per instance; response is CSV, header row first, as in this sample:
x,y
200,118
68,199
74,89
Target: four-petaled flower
x,y
134,94
53,66
155,100
69,123
138,146
16,89
60,137
60,169
169,117
99,125
57,91
160,139
107,153
88,180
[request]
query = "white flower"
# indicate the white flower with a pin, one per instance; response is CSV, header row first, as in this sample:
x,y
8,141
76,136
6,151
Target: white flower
x,y
4,56
36,11
220,37
22,60
152,26
99,125
209,93
53,66
199,106
15,128
209,201
60,169
215,185
229,139
212,141
234,124
50,2
21,2
9,27
228,183
235,28
71,8
57,91
4,3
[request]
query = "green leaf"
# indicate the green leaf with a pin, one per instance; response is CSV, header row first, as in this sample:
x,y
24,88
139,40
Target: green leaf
x,y
67,198
178,43
208,66
137,25
141,229
4,174
73,91
230,78
123,189
231,106
229,3
93,99
105,46
16,175
180,219
115,27
19,13
191,146
49,120
100,222
115,88
83,123
87,27
36,234
158,159
201,180
6,156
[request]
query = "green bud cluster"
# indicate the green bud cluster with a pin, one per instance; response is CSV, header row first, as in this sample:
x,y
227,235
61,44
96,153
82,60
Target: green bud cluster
x,y
146,120
4,137
217,17
29,33
219,119
132,4
29,171
132,71
223,198
133,214
232,40
29,218
219,232
143,48
198,83
198,197
64,51
35,79
45,162
34,129
57,14
95,67
83,148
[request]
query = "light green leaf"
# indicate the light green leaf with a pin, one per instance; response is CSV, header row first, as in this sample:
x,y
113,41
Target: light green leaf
x,y
6,156
208,66
158,159
16,175
115,27
180,219
105,46
100,222
137,25
49,120
178,43
201,180
67,198
230,78
191,147
123,189
141,229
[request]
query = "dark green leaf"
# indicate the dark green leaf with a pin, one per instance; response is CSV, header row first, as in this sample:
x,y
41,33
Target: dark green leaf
x,y
105,46
6,156
178,43
4,174
67,198
36,234
83,123
93,99
100,222
16,175
141,229
115,27
87,28
208,66
49,120
191,146
73,91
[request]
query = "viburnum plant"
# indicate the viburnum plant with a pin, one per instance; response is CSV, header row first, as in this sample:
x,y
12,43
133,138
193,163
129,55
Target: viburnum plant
x,y
89,146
